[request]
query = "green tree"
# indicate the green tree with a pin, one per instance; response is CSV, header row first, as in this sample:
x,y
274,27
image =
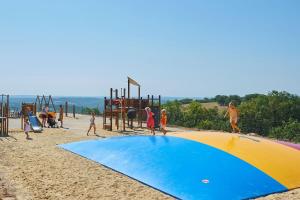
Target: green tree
x,y
175,115
289,130
193,114
276,114
249,97
221,99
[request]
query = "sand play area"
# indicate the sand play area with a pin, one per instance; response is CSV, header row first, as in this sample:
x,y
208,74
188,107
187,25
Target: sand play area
x,y
38,169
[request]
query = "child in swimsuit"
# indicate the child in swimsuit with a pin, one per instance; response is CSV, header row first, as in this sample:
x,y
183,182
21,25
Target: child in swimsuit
x,y
233,116
27,129
92,124
43,115
163,121
150,120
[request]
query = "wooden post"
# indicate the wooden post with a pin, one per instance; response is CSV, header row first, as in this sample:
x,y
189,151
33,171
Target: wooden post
x,y
5,119
2,106
111,109
123,92
104,113
152,98
128,96
117,113
148,96
66,108
141,113
159,108
4,114
123,112
7,115
1,115
22,122
139,92
74,111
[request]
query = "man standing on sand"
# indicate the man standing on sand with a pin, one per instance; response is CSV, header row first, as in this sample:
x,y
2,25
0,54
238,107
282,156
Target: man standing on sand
x,y
233,116
61,116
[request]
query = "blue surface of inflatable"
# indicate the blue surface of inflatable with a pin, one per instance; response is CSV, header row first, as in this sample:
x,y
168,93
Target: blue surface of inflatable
x,y
181,168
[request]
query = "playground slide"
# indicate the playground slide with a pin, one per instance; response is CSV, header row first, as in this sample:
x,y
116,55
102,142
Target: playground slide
x,y
35,124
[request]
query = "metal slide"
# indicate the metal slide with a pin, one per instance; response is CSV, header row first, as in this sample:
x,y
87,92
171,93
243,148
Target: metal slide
x,y
35,124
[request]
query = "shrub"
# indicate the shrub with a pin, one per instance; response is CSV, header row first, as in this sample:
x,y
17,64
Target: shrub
x,y
288,131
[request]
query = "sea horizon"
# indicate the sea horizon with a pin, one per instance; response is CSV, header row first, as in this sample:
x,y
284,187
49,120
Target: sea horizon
x,y
80,102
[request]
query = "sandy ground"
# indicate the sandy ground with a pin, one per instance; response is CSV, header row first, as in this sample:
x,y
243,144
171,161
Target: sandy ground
x,y
38,169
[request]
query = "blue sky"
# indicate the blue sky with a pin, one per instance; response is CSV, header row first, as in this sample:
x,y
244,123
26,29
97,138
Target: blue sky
x,y
173,48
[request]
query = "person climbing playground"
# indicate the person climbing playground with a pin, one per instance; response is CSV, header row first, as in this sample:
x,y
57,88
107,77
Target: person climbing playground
x,y
233,117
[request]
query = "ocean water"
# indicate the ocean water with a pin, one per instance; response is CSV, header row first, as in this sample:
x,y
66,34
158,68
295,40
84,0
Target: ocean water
x,y
79,102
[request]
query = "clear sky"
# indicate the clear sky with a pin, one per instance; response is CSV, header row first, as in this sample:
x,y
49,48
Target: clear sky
x,y
173,48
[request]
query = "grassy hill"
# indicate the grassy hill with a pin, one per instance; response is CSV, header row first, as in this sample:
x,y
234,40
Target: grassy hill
x,y
213,105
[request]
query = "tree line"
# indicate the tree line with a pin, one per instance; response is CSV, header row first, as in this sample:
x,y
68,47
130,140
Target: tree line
x,y
275,115
222,100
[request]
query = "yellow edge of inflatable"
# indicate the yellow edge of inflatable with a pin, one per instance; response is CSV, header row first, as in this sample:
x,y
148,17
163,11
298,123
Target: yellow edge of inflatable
x,y
280,162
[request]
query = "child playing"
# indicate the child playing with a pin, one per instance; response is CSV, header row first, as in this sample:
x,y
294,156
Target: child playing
x,y
27,128
233,115
150,120
163,121
92,124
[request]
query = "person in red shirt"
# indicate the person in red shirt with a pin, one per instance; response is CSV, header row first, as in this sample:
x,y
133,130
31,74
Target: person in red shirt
x,y
150,120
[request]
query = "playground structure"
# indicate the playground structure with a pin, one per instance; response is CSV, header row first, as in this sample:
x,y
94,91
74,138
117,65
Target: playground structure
x,y
125,107
30,110
25,108
4,115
